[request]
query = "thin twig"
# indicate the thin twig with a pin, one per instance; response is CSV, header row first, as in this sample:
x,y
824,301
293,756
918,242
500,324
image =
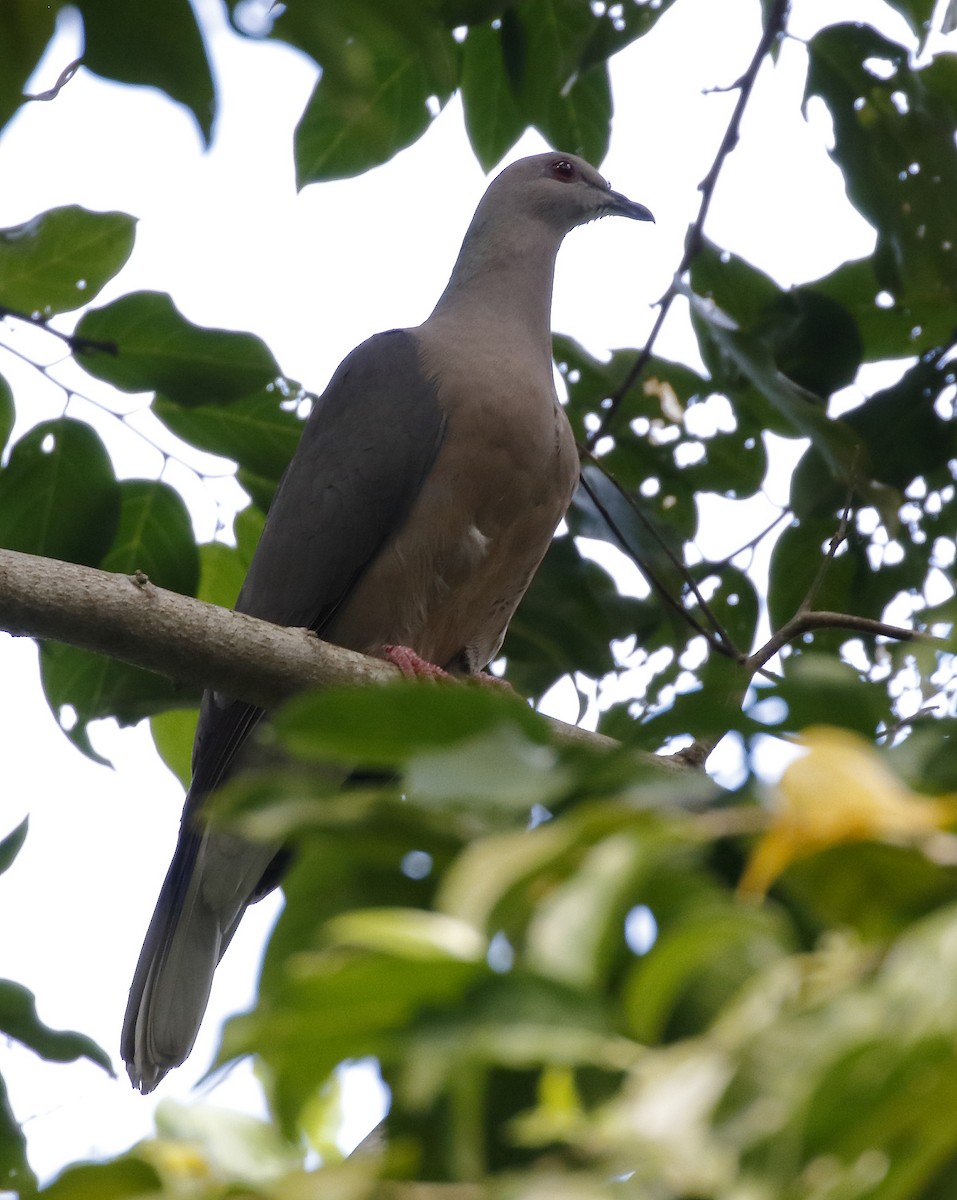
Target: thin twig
x,y
714,640
837,540
807,621
65,76
78,345
722,642
776,21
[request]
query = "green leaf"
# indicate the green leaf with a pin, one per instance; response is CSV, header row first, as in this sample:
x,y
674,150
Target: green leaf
x,y
61,259
255,431
173,733
155,536
917,14
893,140
25,29
743,364
19,1020
154,348
81,687
10,845
912,325
7,412
384,726
492,117
58,494
358,119
15,1169
155,45
567,619
124,1178
340,1005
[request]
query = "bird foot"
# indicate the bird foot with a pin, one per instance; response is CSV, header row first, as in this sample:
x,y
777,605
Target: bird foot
x,y
493,681
411,664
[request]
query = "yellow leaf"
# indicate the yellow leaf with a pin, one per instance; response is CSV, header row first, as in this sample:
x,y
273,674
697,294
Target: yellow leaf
x,y
840,790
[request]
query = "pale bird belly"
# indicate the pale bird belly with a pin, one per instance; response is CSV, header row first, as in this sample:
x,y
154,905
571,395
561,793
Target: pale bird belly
x,y
448,583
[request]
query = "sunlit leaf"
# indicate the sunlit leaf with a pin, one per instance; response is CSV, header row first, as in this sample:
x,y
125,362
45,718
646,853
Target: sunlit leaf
x,y
60,260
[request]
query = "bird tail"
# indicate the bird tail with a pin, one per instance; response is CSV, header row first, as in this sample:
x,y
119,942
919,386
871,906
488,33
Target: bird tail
x,y
212,877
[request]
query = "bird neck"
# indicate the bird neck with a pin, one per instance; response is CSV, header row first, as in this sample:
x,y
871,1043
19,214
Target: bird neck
x,y
502,281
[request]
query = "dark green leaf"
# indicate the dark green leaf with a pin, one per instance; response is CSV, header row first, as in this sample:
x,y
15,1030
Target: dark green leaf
x,y
25,28
81,687
15,1172
256,431
11,844
155,45
580,118
7,412
58,495
819,689
19,1020
156,349
911,325
570,614
59,260
492,118
743,364
365,109
155,536
893,139
917,13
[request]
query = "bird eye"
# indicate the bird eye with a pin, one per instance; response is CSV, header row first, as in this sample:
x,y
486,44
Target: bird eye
x,y
564,170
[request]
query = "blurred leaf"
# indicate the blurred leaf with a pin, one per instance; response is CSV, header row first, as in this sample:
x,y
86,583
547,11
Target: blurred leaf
x,y
7,412
384,726
155,536
158,46
19,1020
893,140
917,13
157,349
14,1167
568,936
61,259
336,1006
10,845
233,1145
409,932
58,495
701,959
255,431
25,29
122,1179
818,688
911,325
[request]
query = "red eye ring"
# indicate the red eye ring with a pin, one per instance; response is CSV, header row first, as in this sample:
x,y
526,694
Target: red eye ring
x,y
563,170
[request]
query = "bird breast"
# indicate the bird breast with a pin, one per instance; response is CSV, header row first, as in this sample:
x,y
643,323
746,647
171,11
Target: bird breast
x,y
451,577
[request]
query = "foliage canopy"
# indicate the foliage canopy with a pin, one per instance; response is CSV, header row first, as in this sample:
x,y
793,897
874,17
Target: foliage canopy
x,y
660,989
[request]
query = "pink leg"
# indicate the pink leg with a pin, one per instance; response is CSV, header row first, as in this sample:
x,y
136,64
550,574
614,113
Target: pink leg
x,y
411,664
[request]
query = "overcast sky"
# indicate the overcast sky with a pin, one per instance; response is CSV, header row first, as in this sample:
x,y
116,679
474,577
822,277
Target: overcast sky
x,y
226,234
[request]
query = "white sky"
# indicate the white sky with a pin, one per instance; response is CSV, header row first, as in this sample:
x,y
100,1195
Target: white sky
x,y
226,234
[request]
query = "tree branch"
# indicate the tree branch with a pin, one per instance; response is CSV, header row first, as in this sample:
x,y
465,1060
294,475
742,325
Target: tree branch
x,y
200,645
806,621
774,26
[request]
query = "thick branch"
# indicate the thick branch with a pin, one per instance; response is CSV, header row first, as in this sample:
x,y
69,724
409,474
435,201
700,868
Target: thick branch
x,y
197,644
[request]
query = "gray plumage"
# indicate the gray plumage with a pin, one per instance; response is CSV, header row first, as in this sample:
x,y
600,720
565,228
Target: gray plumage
x,y
426,487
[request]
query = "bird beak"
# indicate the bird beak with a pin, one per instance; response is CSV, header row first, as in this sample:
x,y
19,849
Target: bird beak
x,y
621,206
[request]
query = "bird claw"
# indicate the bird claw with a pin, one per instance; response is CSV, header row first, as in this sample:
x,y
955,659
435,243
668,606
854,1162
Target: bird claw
x,y
412,665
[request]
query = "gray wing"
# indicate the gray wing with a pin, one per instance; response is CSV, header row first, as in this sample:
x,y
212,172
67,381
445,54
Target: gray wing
x,y
364,454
